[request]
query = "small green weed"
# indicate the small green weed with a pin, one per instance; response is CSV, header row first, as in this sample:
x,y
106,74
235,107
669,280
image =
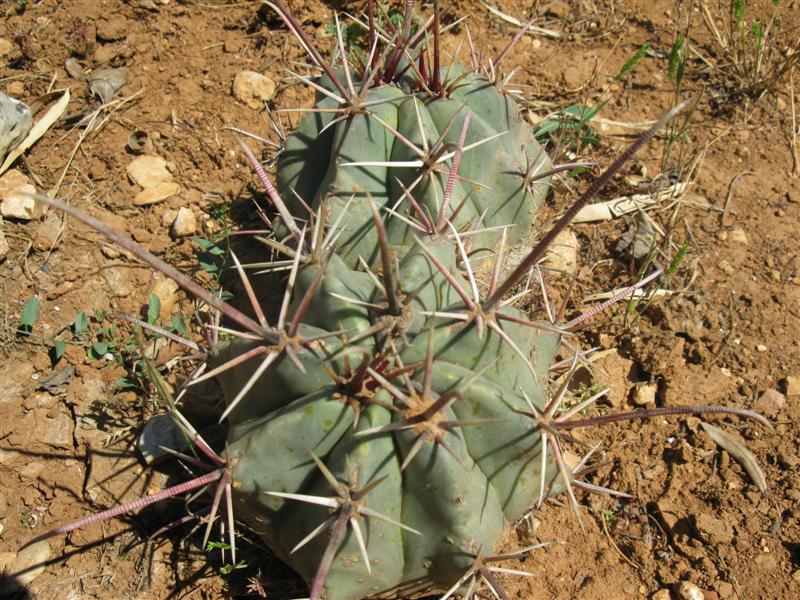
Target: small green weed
x,y
754,56
225,569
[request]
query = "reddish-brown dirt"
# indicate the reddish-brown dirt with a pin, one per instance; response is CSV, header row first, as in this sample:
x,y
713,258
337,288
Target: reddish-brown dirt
x,y
728,333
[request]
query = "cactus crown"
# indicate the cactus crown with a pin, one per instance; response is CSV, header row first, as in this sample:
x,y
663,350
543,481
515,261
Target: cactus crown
x,y
396,419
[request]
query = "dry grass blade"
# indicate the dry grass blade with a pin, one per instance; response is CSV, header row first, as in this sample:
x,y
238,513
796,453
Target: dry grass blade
x,y
623,205
742,455
532,30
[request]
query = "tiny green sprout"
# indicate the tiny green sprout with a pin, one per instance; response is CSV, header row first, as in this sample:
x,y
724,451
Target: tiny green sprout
x,y
29,313
632,61
212,257
583,393
677,58
212,545
573,121
153,308
97,351
738,11
610,518
59,347
178,325
228,569
81,324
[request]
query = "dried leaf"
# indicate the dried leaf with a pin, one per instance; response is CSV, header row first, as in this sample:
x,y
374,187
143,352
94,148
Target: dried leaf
x,y
534,30
74,69
611,209
39,128
742,455
105,83
56,380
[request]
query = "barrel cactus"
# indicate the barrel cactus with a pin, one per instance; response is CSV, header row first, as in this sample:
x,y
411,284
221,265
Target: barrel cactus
x,y
397,418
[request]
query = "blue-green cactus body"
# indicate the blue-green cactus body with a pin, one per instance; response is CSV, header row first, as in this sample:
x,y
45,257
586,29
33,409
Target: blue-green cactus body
x,y
476,464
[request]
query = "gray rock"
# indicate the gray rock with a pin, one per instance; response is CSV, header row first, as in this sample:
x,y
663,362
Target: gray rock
x,y
15,123
158,433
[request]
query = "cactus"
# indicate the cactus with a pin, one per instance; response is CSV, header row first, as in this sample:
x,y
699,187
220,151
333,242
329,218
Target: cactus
x,y
393,423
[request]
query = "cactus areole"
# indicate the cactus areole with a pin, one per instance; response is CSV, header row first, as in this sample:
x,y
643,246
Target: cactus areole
x,y
397,419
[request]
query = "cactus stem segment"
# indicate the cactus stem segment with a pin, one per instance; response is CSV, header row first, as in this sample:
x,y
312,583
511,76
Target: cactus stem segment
x,y
349,504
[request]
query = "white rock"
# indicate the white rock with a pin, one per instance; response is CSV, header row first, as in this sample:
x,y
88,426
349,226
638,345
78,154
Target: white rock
x,y
253,89
644,394
28,564
118,281
686,590
14,201
185,223
563,253
157,193
149,171
793,385
737,236
6,46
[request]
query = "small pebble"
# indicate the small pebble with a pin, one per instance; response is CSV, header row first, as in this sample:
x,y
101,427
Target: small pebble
x,y
253,89
770,403
737,236
16,88
6,46
563,253
233,45
104,54
686,590
149,171
155,194
185,223
792,385
27,565
47,233
167,292
644,394
724,589
118,281
712,529
158,433
14,201
726,267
